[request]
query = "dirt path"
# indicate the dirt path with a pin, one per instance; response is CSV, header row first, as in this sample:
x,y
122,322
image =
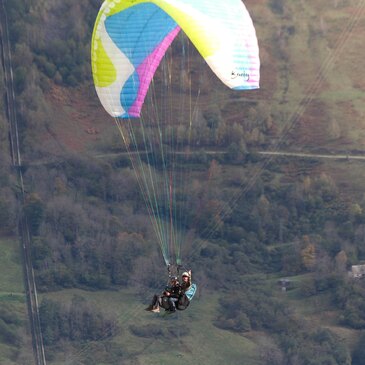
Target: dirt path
x,y
312,155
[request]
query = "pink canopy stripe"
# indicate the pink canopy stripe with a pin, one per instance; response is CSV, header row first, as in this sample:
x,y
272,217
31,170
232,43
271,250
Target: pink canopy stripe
x,y
147,69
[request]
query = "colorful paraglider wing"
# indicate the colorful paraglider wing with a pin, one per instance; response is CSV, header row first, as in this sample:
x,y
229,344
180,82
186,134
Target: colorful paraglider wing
x,y
131,37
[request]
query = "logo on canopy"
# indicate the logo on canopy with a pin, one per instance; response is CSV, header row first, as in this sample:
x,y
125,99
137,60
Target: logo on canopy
x,y
240,73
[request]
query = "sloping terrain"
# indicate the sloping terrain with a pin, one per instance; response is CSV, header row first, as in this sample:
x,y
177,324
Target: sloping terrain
x,y
312,87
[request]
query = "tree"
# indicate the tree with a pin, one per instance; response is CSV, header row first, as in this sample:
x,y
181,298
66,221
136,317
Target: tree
x,y
78,321
34,211
341,261
270,353
358,356
308,253
8,210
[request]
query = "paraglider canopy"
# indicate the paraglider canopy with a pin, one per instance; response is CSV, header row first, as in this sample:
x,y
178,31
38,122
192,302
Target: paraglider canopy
x,y
131,37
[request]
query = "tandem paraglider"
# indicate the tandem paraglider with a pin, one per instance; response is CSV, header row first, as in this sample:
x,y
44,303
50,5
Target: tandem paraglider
x,y
176,296
131,42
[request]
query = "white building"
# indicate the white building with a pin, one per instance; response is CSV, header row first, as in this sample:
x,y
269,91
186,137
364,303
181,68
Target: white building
x,y
357,271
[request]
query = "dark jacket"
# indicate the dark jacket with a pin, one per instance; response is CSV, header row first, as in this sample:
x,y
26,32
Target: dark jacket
x,y
174,290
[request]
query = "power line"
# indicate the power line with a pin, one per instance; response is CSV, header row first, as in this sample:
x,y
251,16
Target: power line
x,y
24,233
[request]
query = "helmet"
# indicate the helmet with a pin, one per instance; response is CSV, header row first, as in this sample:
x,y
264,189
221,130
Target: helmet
x,y
185,274
172,278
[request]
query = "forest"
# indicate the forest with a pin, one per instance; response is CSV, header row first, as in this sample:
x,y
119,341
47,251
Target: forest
x,y
250,220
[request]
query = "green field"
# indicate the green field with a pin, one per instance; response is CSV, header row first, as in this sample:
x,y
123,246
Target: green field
x,y
15,341
11,274
198,346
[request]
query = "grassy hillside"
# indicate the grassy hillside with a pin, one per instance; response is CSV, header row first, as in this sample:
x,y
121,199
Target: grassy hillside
x,y
311,96
312,49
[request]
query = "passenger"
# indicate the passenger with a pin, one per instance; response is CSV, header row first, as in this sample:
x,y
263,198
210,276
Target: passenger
x,y
188,290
